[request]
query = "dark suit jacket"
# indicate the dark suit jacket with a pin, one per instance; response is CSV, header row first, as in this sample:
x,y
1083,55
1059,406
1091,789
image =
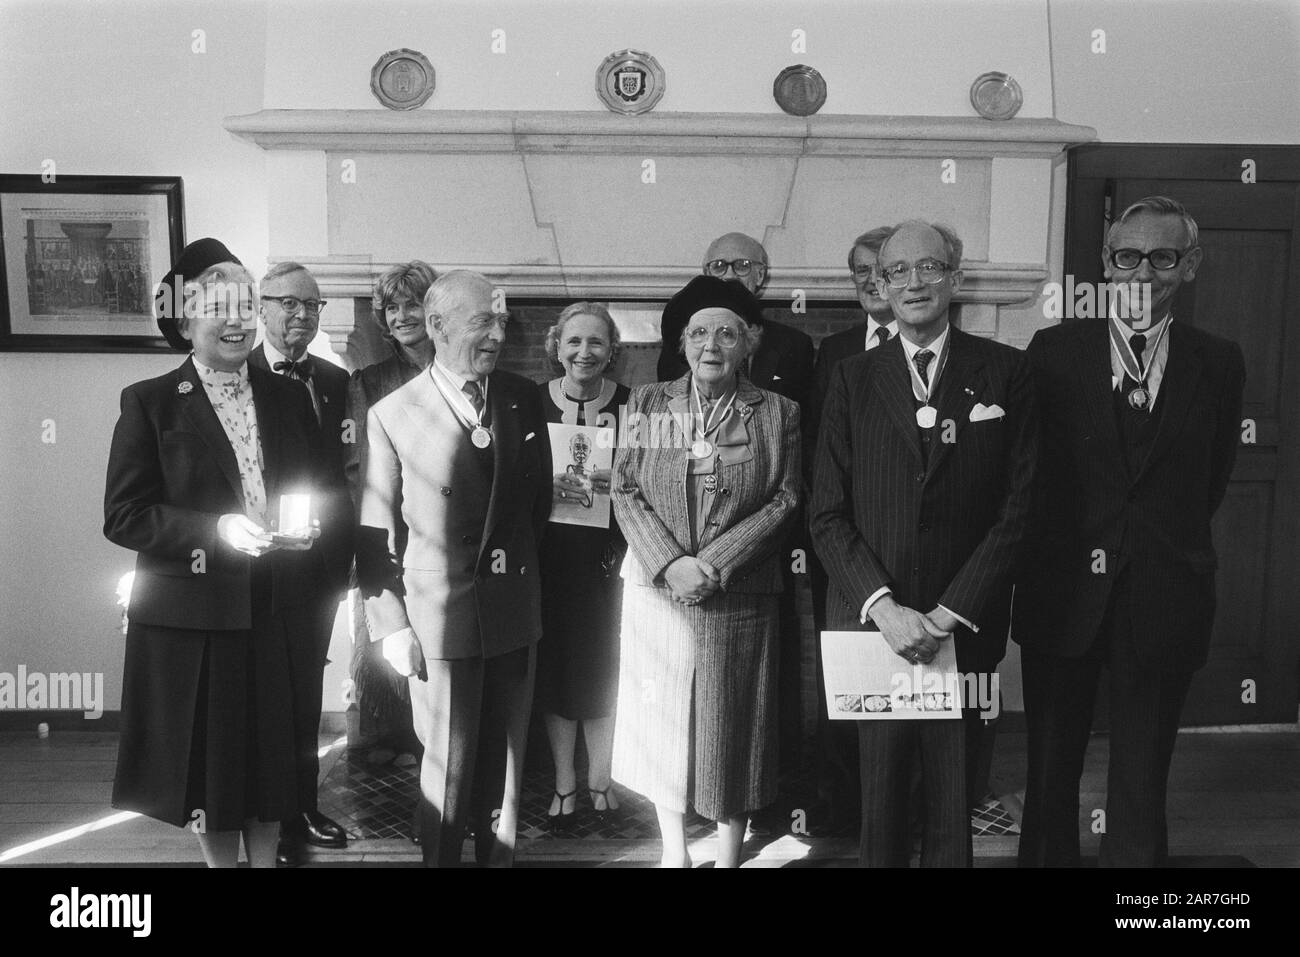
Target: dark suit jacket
x,y
171,476
833,348
944,532
783,363
1156,522
467,582
337,513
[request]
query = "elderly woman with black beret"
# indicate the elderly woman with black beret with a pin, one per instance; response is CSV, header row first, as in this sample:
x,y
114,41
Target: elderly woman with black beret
x,y
199,461
705,486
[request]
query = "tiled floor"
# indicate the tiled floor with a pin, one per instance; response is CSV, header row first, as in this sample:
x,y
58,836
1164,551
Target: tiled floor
x,y
375,802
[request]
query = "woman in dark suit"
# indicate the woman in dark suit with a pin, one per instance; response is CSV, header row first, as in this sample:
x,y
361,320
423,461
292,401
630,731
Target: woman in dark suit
x,y
199,460
397,301
577,659
705,487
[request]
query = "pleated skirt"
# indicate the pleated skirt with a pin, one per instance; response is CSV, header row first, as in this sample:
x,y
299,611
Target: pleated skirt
x,y
207,725
696,716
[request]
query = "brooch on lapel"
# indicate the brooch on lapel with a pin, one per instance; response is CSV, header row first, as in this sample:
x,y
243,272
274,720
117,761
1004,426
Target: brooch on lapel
x,y
746,411
185,387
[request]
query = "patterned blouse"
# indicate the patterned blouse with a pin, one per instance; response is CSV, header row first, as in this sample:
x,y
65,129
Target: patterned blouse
x,y
231,395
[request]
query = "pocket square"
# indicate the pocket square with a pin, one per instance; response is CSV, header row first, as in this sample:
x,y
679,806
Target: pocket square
x,y
529,436
982,412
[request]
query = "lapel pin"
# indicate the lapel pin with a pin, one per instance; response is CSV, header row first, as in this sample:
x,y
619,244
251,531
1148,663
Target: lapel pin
x,y
968,391
185,387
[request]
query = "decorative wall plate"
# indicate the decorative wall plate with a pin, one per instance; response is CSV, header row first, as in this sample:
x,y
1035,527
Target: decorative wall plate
x,y
402,79
996,96
799,90
630,81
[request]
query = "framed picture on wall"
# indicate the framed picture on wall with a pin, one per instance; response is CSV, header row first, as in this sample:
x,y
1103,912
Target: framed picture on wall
x,y
81,256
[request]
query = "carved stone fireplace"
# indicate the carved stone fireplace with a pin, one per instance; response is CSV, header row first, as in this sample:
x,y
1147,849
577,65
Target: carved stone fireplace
x,y
564,206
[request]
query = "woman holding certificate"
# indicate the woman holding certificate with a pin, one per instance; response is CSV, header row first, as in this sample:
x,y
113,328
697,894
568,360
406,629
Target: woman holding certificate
x,y
200,458
705,486
577,659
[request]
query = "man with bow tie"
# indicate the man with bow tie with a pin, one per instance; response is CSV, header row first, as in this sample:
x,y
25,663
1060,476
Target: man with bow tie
x,y
456,493
921,491
290,311
1141,420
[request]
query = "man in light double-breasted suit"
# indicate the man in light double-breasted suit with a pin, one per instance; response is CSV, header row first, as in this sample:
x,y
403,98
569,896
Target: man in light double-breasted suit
x,y
457,491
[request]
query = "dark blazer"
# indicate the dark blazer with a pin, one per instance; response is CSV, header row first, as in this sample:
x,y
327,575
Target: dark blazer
x,y
832,349
1157,522
947,531
467,582
171,476
746,524
783,363
337,514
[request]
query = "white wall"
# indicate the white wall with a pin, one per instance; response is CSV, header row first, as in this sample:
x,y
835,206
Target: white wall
x,y
106,88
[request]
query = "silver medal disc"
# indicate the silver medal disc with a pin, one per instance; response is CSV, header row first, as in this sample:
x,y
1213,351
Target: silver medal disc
x,y
925,416
1139,398
702,449
481,437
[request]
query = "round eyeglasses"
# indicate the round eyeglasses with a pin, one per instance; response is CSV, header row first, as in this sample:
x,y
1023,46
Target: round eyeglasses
x,y
929,272
741,267
724,336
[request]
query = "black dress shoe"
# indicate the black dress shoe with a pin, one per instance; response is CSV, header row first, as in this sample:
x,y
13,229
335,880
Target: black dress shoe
x,y
319,830
290,852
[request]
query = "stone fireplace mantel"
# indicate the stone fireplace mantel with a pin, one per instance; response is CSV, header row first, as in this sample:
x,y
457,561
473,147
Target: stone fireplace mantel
x,y
598,206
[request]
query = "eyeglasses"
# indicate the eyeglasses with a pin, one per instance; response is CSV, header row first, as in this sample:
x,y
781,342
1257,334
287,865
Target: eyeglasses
x,y
724,336
1159,258
929,272
291,304
741,267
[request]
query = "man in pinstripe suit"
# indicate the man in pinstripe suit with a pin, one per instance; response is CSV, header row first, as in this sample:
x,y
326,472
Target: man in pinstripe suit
x,y
925,464
1141,420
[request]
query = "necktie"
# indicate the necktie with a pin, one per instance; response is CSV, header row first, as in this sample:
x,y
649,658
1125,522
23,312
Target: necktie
x,y
294,370
881,335
474,394
1138,344
922,362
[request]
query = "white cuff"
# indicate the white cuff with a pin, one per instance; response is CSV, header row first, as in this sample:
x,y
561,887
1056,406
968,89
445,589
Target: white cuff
x,y
875,597
959,618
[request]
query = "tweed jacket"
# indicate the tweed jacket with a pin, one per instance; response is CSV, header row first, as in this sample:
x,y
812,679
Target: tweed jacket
x,y
752,511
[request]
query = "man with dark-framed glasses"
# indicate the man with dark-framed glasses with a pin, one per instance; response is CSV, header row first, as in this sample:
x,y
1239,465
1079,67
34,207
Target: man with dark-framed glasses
x,y
290,309
1140,426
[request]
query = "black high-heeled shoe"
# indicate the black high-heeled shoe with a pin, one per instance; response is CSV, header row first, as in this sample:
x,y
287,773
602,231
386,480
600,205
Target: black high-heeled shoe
x,y
607,810
561,820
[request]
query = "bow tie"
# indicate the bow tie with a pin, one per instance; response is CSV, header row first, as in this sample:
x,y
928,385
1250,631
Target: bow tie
x,y
295,370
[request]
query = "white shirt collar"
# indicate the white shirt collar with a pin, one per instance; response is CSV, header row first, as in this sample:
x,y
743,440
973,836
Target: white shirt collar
x,y
1152,332
455,378
274,355
936,347
873,325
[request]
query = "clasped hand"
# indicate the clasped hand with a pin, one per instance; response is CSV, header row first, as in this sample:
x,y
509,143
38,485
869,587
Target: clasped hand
x,y
691,580
909,633
244,535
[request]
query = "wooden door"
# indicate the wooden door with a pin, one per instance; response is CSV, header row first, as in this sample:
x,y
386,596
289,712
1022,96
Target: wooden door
x,y
1248,290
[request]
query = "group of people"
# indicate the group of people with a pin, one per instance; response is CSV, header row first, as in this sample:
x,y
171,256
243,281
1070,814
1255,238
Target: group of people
x,y
86,283
931,471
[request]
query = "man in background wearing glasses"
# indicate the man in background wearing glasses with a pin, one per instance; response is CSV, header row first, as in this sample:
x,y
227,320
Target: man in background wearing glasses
x,y
783,361
925,464
1141,420
290,312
